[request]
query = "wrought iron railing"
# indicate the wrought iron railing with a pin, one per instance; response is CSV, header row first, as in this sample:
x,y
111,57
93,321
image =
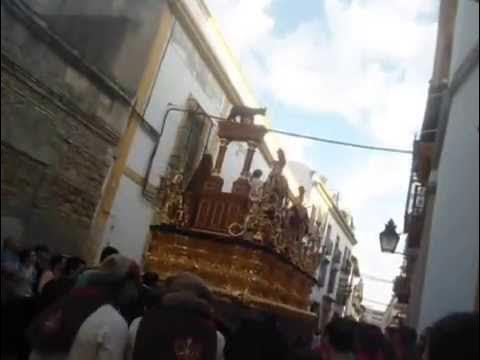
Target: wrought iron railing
x,y
337,257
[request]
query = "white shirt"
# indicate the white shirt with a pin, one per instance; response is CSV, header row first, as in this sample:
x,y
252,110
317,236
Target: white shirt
x,y
256,190
221,342
45,278
103,336
132,335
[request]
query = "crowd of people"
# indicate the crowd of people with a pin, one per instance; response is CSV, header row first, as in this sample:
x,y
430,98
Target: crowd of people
x,y
55,308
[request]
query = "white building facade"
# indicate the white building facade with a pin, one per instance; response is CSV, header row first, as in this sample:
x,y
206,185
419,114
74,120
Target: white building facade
x,y
445,278
354,308
451,279
336,273
373,317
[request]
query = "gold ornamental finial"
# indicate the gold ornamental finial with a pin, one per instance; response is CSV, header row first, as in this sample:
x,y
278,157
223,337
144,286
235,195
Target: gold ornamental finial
x,y
171,209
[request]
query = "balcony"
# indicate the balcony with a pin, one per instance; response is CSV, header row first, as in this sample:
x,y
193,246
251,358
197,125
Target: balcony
x,y
347,268
328,247
337,257
414,220
332,280
423,155
401,289
342,299
344,292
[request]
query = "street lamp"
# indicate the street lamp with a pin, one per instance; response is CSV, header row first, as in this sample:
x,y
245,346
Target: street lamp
x,y
389,238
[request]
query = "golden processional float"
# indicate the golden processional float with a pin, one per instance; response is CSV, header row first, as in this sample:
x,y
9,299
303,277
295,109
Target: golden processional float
x,y
254,251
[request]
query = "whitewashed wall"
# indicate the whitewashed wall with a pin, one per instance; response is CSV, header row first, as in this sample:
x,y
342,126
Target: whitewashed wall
x,y
452,265
182,74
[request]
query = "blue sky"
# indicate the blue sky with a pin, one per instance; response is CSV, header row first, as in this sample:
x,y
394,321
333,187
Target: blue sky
x,y
351,70
290,17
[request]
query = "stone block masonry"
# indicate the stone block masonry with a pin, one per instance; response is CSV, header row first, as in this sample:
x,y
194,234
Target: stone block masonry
x,y
60,127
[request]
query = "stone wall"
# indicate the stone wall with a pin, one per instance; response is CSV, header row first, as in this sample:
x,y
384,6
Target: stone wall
x,y
61,121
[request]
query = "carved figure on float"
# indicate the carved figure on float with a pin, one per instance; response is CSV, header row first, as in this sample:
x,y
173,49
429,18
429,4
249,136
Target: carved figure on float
x,y
276,184
256,186
297,228
246,114
172,211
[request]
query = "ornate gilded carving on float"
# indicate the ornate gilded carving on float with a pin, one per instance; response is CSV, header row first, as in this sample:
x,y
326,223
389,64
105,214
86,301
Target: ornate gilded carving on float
x,y
264,222
246,274
257,250
171,209
268,221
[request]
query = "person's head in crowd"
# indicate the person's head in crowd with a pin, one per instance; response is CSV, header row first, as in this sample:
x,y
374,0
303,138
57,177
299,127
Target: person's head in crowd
x,y
57,265
153,298
150,279
108,251
188,291
369,342
338,339
115,282
257,174
247,341
185,313
302,342
118,277
10,244
404,341
54,271
74,266
27,257
454,337
43,256
84,278
389,352
390,332
275,343
422,343
305,355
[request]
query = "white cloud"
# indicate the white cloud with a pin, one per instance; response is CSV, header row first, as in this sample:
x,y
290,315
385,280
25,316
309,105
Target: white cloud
x,y
380,177
366,63
244,23
295,149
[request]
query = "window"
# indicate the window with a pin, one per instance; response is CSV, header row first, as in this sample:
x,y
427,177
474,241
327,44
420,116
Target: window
x,y
323,273
333,280
337,254
329,233
346,257
193,137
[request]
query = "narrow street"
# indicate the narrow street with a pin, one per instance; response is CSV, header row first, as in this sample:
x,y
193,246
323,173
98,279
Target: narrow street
x,y
240,180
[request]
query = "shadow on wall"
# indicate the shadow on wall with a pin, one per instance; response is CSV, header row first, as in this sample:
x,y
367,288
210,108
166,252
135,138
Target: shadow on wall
x,y
106,33
11,227
59,234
